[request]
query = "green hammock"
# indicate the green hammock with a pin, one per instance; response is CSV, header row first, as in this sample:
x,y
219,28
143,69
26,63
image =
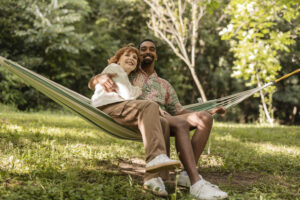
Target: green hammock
x,y
80,104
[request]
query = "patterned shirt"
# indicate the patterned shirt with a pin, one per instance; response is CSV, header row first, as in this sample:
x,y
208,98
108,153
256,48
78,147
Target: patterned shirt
x,y
157,89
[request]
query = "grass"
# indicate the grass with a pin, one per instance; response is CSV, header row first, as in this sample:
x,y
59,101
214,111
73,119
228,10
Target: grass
x,y
47,155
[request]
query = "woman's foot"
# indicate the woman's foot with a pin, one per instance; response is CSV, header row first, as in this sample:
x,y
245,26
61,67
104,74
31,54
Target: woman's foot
x,y
156,186
160,162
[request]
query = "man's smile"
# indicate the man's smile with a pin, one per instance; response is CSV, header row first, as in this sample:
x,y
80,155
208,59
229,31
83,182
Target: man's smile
x,y
148,56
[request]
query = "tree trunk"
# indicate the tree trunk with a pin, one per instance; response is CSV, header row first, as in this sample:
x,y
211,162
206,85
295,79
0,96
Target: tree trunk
x,y
294,113
264,103
198,84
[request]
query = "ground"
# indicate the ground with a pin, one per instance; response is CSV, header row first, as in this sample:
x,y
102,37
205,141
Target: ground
x,y
56,155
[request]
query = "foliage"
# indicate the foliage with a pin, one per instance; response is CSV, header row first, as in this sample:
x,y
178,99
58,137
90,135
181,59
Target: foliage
x,y
83,34
287,96
257,40
58,156
177,23
42,36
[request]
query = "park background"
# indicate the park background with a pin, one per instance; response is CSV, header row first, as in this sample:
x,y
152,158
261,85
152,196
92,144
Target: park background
x,y
71,41
46,152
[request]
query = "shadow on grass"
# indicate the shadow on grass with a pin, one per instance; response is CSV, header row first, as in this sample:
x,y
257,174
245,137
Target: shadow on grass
x,y
63,137
74,184
244,167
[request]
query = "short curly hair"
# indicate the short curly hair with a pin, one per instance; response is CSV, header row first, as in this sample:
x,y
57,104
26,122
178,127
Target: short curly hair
x,y
127,48
146,40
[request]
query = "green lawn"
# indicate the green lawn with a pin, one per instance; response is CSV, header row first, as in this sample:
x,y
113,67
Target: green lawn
x,y
59,156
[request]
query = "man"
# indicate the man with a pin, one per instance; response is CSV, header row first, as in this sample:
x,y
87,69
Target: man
x,y
159,90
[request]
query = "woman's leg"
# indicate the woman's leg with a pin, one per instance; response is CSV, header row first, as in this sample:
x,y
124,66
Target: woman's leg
x,y
144,115
164,174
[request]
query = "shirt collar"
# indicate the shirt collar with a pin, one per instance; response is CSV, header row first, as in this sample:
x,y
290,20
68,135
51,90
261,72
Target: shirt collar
x,y
154,74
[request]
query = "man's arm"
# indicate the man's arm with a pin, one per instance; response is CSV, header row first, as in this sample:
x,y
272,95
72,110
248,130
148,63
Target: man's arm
x,y
105,80
176,109
92,83
184,111
218,110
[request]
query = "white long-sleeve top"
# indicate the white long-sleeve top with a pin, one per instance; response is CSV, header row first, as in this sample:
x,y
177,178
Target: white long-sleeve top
x,y
125,90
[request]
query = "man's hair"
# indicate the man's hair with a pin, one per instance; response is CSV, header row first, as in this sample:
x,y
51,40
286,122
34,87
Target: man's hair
x,y
146,40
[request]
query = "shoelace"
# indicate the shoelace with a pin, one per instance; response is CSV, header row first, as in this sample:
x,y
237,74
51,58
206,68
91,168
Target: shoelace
x,y
209,183
212,185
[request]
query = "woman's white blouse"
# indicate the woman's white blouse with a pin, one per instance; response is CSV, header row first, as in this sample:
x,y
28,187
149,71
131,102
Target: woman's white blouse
x,y
125,90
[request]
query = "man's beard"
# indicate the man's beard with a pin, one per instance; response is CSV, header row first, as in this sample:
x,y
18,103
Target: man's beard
x,y
146,62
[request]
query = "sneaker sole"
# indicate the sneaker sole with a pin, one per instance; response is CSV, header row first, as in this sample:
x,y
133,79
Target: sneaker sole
x,y
154,192
168,166
183,184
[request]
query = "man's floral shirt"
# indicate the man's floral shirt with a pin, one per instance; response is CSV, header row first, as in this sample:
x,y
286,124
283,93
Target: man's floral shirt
x,y
157,89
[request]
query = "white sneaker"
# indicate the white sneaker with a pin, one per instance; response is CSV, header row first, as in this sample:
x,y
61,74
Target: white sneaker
x,y
160,162
184,180
157,186
203,191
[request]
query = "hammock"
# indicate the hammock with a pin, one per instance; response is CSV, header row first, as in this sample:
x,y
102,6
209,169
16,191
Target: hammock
x,y
80,104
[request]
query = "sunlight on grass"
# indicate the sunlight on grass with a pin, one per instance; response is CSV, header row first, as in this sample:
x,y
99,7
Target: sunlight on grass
x,y
264,147
13,164
256,125
48,155
211,161
13,127
290,151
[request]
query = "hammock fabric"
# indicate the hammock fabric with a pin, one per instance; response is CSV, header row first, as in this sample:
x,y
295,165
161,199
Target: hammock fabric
x,y
80,104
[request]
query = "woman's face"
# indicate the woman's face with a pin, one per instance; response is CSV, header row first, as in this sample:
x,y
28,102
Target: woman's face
x,y
128,61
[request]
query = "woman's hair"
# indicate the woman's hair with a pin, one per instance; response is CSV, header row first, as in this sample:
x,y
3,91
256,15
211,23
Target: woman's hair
x,y
127,48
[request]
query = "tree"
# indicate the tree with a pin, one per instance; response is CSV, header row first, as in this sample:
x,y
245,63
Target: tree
x,y
287,96
177,23
257,41
42,36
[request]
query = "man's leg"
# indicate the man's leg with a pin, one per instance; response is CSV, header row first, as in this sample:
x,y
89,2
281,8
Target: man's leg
x,y
199,188
203,122
180,129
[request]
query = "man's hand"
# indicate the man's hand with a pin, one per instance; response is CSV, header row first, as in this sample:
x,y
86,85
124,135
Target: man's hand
x,y
217,110
105,80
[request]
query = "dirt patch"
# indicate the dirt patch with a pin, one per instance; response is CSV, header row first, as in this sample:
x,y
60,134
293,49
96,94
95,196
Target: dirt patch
x,y
136,168
236,178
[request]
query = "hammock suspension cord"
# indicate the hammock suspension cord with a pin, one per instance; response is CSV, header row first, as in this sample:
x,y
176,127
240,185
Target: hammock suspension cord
x,y
80,104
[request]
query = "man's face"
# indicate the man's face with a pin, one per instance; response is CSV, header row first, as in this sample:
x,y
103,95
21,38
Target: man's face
x,y
148,53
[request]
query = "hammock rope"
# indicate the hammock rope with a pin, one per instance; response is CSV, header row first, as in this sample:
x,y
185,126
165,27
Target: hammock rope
x,y
228,101
81,106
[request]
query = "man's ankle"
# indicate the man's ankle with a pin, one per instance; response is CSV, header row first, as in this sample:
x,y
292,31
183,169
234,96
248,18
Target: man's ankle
x,y
194,179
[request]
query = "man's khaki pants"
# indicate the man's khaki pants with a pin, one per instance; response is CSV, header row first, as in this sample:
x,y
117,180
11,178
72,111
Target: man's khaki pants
x,y
145,116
